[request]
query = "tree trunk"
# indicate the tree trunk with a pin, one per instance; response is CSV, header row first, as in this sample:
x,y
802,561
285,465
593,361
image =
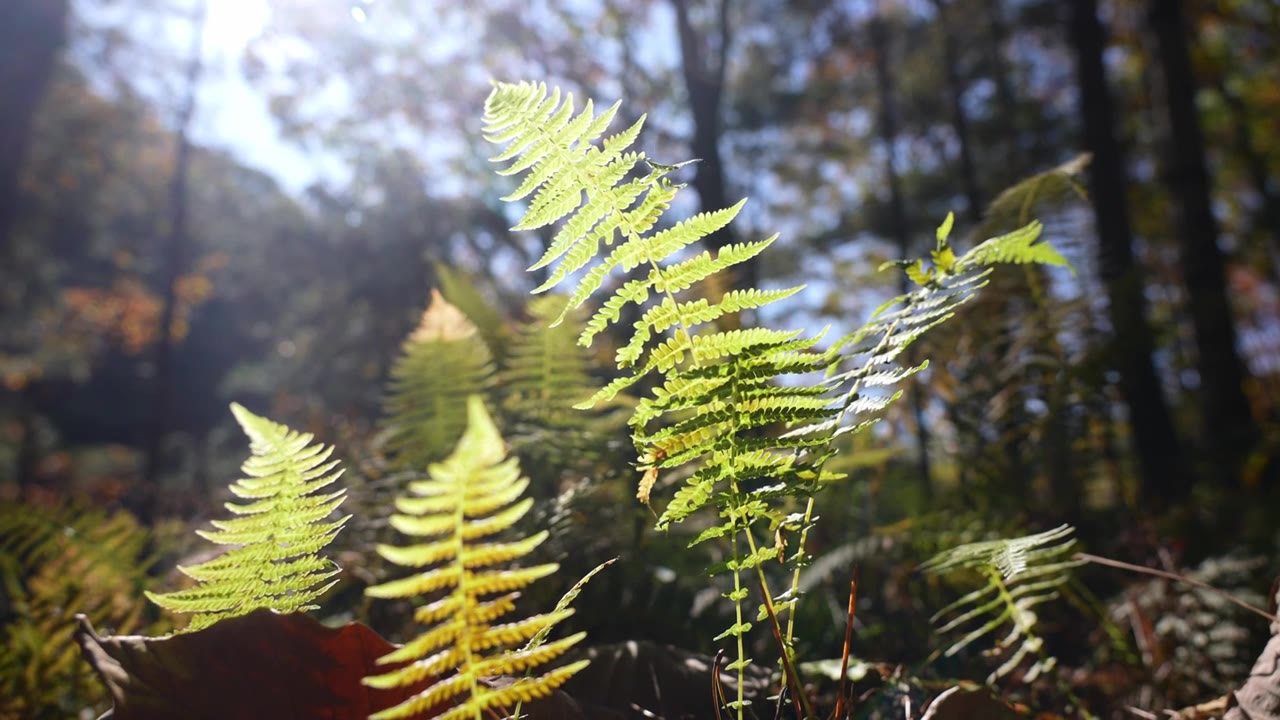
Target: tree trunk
x,y
898,217
704,82
959,118
1164,479
31,37
1006,100
1229,428
175,262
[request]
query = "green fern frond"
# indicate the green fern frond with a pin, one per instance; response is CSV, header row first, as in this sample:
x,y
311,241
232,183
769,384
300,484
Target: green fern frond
x,y
279,531
720,395
1019,574
469,497
443,362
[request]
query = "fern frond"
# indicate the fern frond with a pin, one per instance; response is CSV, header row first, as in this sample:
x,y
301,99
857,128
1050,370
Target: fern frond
x,y
443,362
278,532
472,494
56,562
721,394
1019,574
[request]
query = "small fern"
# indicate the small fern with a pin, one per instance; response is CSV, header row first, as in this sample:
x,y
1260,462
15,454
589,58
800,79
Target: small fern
x,y
443,361
471,495
719,393
278,536
1019,574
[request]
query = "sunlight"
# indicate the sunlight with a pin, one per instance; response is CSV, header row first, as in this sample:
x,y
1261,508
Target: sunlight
x,y
231,24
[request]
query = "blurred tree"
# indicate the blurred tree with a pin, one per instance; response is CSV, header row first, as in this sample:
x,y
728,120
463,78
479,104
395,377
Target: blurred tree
x,y
31,40
175,252
1164,477
1228,428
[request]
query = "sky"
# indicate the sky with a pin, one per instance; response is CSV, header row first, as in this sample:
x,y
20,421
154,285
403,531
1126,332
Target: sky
x,y
233,115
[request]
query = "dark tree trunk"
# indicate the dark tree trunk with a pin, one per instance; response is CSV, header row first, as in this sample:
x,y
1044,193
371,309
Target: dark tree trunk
x,y
959,118
175,263
704,79
1164,478
1229,428
1256,165
1006,99
32,34
898,217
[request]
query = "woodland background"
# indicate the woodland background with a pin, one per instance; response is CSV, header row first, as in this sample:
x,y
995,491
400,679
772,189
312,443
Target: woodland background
x,y
147,279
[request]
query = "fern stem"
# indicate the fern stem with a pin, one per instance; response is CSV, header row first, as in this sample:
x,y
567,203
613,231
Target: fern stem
x,y
464,611
737,607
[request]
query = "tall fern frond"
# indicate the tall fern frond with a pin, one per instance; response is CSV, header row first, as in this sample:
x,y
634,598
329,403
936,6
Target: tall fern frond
x,y
719,395
469,497
716,390
1019,574
443,362
278,534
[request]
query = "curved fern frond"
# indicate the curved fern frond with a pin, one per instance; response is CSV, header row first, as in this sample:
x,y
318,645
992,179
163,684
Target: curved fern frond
x,y
1019,574
444,361
279,531
469,497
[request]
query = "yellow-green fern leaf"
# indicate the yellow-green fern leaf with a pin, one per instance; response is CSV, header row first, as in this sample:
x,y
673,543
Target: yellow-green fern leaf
x,y
470,496
443,362
278,533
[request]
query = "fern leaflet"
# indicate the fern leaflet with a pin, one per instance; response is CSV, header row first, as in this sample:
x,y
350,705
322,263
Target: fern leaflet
x,y
278,534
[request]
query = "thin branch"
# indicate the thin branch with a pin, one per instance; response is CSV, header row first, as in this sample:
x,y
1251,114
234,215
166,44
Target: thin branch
x,y
1180,578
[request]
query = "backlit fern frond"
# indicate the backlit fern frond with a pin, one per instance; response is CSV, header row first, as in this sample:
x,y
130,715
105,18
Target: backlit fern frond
x,y
443,362
720,395
1018,574
278,533
56,562
716,393
470,496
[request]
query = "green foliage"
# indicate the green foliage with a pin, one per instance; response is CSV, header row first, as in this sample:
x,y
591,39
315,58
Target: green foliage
x,y
443,362
471,495
56,562
278,536
720,394
1018,574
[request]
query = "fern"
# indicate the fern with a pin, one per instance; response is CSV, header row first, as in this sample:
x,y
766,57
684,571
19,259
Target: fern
x,y
278,536
1019,574
443,361
718,393
56,562
471,495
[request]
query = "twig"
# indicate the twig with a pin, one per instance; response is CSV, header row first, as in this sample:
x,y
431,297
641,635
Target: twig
x,y
1173,576
848,640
